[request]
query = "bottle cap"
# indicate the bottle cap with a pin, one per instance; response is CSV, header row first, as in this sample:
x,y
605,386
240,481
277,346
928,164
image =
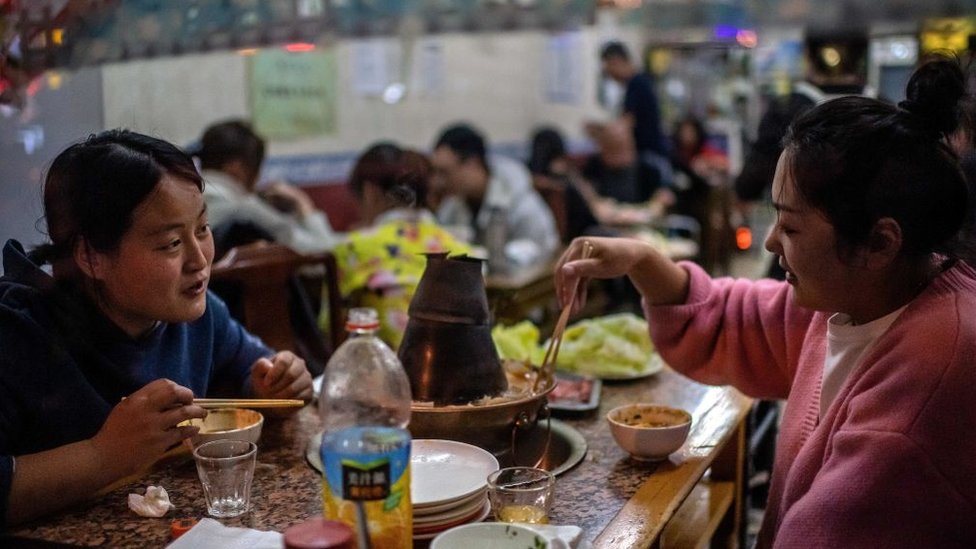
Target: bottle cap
x,y
318,533
362,318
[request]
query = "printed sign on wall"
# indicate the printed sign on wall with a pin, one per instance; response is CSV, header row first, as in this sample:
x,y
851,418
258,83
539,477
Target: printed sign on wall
x,y
293,94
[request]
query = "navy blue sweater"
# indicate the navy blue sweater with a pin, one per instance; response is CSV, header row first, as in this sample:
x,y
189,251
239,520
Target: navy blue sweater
x,y
64,365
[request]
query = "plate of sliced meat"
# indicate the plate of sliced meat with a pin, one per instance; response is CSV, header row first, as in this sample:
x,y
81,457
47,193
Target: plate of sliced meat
x,y
575,393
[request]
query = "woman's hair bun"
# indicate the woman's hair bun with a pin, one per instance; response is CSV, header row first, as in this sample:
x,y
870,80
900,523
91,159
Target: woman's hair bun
x,y
933,94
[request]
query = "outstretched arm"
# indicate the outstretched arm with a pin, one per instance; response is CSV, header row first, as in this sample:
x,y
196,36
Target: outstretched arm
x,y
658,279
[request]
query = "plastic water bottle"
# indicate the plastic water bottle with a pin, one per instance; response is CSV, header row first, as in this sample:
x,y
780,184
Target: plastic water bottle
x,y
365,408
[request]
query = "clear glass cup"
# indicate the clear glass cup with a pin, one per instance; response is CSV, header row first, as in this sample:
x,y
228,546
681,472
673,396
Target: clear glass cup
x,y
521,494
226,468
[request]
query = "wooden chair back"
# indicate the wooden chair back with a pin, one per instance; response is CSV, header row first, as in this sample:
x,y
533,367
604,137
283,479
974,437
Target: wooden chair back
x,y
263,271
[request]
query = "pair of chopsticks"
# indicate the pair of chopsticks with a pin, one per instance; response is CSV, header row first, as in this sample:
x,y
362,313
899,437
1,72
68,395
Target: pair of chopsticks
x,y
214,403
548,368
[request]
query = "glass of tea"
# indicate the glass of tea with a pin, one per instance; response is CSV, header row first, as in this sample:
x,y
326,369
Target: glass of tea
x,y
521,494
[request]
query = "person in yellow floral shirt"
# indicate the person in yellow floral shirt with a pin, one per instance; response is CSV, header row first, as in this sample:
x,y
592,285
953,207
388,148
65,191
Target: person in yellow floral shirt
x,y
381,263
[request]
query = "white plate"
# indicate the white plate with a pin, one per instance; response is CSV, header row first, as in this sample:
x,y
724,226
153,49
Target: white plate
x,y
443,472
485,511
496,535
447,470
450,515
434,509
654,365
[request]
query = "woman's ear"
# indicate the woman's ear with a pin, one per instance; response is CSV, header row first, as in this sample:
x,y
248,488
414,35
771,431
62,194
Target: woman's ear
x,y
89,262
884,243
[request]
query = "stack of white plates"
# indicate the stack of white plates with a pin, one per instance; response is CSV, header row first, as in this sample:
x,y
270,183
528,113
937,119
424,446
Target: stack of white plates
x,y
448,484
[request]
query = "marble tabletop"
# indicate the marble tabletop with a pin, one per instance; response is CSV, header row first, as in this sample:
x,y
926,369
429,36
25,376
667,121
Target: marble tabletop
x,y
617,501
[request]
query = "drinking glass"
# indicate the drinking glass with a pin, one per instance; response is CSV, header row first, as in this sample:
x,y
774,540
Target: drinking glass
x,y
226,468
521,494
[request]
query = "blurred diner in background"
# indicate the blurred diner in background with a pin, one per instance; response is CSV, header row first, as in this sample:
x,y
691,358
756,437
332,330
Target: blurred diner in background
x,y
381,262
274,165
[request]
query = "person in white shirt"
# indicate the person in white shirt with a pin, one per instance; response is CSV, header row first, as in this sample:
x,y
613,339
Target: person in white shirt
x,y
479,185
231,155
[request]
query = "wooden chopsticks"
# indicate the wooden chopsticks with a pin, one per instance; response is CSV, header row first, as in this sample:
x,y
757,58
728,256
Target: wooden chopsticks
x,y
548,368
213,403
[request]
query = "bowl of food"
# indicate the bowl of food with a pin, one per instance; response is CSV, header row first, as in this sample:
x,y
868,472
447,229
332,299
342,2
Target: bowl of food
x,y
649,432
228,423
495,535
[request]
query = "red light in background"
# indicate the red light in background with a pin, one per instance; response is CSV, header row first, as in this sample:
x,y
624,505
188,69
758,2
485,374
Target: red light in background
x,y
747,38
299,47
743,238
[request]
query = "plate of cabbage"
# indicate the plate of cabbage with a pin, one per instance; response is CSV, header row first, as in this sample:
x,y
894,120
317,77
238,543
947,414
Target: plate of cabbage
x,y
611,347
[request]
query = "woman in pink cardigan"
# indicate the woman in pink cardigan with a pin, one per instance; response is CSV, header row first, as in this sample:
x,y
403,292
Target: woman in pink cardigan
x,y
871,338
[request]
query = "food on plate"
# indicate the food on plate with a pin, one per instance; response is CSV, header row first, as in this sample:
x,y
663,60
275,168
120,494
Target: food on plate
x,y
612,346
574,390
609,346
518,342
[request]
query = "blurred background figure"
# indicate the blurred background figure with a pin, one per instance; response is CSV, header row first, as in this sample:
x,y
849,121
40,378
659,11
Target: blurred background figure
x,y
620,176
698,167
380,264
834,67
230,156
554,171
640,111
484,191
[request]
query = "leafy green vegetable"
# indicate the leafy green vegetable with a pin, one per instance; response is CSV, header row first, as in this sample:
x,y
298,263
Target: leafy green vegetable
x,y
518,342
610,346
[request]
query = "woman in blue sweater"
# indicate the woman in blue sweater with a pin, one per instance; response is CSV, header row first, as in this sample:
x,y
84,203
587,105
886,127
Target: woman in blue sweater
x,y
125,313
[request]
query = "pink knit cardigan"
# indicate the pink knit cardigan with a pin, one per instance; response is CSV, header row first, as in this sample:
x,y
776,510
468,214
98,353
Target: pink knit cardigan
x,y
893,463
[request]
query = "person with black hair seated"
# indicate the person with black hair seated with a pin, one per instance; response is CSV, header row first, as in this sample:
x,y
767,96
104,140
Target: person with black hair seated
x,y
479,185
870,338
549,164
230,156
380,263
101,359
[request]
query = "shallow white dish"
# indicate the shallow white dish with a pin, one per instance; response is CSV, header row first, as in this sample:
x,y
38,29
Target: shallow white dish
x,y
444,473
482,515
654,365
494,535
467,509
447,470
439,508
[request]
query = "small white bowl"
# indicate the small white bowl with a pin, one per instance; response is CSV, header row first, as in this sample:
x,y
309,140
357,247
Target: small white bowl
x,y
494,535
228,423
649,432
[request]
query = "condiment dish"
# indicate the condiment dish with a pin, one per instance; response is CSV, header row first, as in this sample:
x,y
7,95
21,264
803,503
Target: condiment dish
x,y
649,432
228,423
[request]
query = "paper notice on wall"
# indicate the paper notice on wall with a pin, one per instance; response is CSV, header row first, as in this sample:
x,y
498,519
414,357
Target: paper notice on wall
x,y
375,65
430,68
293,94
563,63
